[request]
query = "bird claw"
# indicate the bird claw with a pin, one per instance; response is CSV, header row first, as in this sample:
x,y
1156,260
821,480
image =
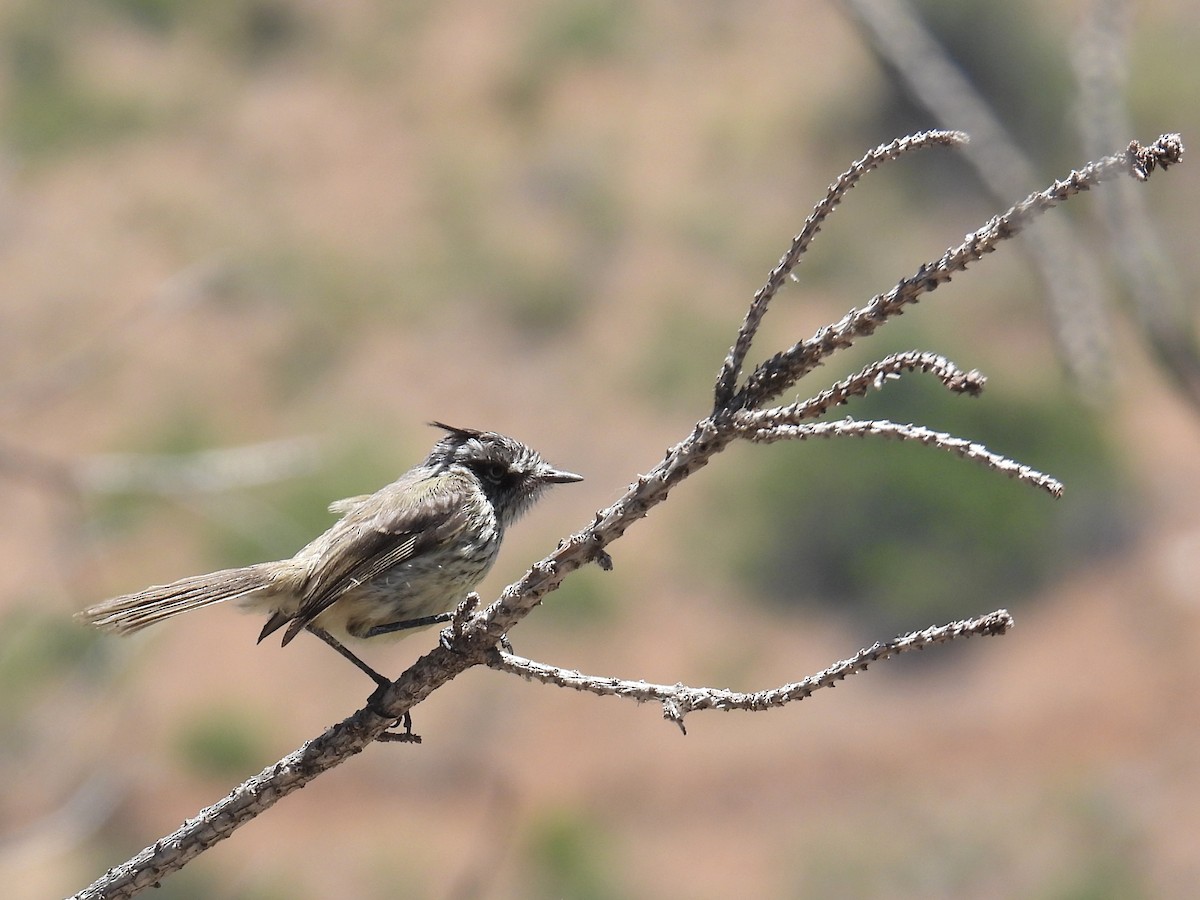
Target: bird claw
x,y
458,621
401,737
463,613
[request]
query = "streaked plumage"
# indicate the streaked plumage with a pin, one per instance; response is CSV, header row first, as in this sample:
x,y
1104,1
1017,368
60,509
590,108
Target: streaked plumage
x,y
409,551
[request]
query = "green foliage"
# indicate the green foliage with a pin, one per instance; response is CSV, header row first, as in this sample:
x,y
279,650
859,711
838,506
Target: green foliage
x,y
560,34
181,430
224,743
540,286
55,104
342,285
589,30
249,30
1099,821
682,359
154,15
49,107
273,521
569,853
253,31
537,296
898,533
330,294
1022,71
311,354
538,303
118,513
40,645
585,600
1163,53
1089,850
1105,876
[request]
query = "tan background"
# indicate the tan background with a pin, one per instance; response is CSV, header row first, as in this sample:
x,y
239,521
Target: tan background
x,y
261,221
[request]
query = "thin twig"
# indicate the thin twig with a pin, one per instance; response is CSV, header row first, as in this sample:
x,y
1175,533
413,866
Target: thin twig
x,y
679,699
872,377
736,358
784,369
971,450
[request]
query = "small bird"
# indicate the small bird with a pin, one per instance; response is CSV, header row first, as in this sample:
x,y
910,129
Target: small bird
x,y
397,559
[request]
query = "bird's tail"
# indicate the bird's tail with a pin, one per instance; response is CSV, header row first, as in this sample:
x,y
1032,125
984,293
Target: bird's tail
x,y
134,612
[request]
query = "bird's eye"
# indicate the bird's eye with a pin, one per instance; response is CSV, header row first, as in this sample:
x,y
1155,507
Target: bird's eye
x,y
494,473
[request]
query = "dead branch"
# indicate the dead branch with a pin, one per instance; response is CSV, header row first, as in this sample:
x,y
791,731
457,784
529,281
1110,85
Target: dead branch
x,y
1071,284
679,699
738,413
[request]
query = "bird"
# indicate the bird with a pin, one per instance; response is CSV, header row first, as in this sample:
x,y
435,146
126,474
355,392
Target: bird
x,y
398,559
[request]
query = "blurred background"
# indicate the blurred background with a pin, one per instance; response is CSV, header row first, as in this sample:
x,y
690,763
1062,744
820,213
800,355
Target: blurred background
x,y
248,248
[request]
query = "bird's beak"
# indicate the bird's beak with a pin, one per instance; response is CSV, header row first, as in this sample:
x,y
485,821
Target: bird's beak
x,y
557,476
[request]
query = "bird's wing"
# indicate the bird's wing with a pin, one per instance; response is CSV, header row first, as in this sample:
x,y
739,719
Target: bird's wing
x,y
341,507
375,535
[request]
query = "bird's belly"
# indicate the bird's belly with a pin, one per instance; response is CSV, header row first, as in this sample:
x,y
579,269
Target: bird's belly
x,y
399,595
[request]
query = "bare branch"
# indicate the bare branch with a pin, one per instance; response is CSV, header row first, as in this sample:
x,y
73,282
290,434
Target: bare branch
x,y
679,699
473,637
1073,291
784,369
872,377
736,358
883,428
339,743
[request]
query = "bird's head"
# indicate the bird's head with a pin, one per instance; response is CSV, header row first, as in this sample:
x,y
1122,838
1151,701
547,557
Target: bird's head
x,y
511,474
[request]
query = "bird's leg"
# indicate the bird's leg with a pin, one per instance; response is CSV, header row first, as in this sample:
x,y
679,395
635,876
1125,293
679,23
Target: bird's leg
x,y
422,622
403,737
406,736
344,652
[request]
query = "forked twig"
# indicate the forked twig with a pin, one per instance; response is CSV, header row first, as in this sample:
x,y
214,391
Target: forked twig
x,y
679,699
1070,283
971,450
785,368
872,377
732,368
